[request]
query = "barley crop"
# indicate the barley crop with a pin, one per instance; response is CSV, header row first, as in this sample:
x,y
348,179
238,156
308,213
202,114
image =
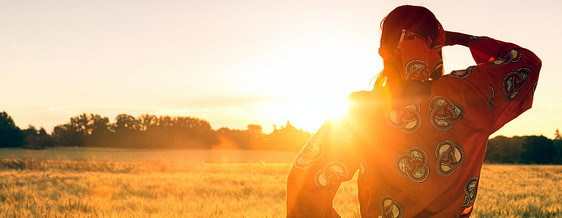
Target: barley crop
x,y
37,187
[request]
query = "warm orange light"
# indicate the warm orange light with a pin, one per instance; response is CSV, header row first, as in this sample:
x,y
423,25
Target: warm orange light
x,y
308,113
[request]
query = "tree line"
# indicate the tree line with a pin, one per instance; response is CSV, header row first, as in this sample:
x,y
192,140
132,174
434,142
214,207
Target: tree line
x,y
150,131
525,149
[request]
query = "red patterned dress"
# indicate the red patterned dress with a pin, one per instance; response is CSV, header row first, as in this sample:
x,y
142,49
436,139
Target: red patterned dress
x,y
422,159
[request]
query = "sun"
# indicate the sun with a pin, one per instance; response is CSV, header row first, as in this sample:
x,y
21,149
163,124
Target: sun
x,y
308,113
333,108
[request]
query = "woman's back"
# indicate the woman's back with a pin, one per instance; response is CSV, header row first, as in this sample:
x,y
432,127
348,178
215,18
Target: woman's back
x,y
418,157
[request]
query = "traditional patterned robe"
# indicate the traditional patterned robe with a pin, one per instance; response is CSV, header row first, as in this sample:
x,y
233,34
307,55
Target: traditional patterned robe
x,y
422,159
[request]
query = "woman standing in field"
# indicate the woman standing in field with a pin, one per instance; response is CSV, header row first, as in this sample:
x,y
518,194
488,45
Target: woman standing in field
x,y
418,138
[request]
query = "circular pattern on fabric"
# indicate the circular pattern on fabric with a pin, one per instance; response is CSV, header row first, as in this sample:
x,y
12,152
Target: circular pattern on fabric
x,y
491,98
514,81
444,113
417,70
407,119
312,151
437,64
509,56
470,191
390,207
412,164
534,87
449,156
331,175
462,74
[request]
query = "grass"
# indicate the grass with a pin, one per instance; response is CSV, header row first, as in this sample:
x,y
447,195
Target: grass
x,y
124,189
520,191
39,187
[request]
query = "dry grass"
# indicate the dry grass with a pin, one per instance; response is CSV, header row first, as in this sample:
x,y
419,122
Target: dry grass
x,y
35,187
88,188
520,191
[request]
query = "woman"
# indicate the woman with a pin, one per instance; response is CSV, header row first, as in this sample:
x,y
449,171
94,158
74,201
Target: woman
x,y
419,138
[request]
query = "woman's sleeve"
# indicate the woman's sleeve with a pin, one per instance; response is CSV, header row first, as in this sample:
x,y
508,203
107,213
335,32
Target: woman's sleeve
x,y
504,79
327,159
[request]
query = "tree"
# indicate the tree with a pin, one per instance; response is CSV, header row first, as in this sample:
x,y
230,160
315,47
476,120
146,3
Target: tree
x,y
557,143
126,123
31,137
37,139
502,149
126,132
233,139
72,133
287,138
537,150
98,130
97,124
83,130
252,138
257,136
44,139
10,134
80,124
64,135
146,121
178,132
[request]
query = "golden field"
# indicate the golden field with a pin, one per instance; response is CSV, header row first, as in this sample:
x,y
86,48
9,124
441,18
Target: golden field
x,y
39,184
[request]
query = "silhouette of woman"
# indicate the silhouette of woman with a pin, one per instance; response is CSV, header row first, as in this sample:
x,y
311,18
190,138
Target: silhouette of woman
x,y
419,137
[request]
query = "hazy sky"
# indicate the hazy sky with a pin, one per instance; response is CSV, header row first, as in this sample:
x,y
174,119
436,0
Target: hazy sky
x,y
237,62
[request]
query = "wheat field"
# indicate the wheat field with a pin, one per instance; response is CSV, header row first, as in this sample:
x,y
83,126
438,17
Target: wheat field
x,y
35,186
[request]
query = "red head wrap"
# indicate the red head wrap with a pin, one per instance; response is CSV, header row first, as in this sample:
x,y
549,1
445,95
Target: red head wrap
x,y
416,57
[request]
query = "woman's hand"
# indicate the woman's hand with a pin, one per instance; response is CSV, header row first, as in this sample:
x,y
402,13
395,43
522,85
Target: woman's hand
x,y
455,38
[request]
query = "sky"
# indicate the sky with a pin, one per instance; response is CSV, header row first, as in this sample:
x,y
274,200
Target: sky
x,y
235,63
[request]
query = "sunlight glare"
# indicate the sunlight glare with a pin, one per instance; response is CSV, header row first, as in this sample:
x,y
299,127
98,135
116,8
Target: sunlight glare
x,y
308,113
